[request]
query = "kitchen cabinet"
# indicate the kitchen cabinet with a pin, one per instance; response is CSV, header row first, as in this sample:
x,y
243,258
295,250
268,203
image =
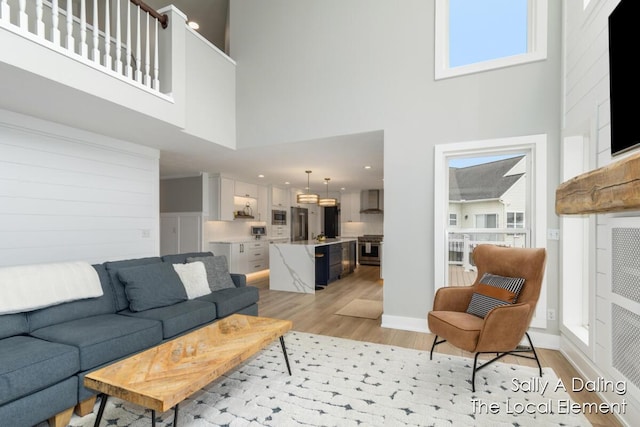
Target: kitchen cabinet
x,y
263,213
243,189
243,257
221,200
181,232
350,207
224,202
280,197
280,231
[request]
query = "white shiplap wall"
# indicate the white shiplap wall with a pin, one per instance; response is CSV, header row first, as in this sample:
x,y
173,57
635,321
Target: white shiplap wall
x,y
586,114
67,194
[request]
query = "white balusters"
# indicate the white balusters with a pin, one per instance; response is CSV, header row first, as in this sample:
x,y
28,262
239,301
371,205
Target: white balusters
x,y
83,36
70,41
118,39
23,18
5,11
39,21
156,81
129,70
107,36
138,73
147,77
96,34
55,16
84,49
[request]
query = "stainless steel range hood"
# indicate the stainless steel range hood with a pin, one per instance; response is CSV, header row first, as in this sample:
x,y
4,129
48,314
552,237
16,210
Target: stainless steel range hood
x,y
371,202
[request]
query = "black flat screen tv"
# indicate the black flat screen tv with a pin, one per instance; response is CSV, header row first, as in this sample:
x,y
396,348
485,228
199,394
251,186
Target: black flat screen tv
x,y
624,76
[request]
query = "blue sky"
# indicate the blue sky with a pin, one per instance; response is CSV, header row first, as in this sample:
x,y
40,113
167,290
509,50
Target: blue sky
x,y
472,161
487,29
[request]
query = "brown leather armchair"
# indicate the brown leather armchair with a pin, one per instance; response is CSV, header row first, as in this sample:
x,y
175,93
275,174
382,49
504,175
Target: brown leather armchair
x,y
502,329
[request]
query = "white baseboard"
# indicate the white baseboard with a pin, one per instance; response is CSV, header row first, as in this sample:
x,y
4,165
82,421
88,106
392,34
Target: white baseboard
x,y
405,323
589,371
544,340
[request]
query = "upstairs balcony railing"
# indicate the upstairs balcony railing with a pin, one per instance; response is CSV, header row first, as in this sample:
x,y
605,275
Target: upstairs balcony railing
x,y
117,36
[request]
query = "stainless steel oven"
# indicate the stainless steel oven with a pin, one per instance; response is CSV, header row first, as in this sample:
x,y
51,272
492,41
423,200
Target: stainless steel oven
x,y
278,217
369,249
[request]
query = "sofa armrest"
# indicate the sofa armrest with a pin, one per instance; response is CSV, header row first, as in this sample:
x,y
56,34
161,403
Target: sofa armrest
x,y
240,280
453,298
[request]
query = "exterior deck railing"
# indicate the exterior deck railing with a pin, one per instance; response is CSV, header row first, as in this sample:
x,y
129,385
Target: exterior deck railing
x,y
462,242
117,36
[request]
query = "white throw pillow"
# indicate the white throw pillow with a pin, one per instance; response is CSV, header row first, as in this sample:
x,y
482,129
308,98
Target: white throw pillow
x,y
194,279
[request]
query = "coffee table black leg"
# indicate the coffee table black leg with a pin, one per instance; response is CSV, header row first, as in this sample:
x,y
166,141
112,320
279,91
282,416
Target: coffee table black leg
x,y
175,416
284,351
103,403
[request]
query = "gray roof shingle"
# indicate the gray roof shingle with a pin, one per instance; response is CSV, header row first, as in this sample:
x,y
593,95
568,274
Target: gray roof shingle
x,y
484,181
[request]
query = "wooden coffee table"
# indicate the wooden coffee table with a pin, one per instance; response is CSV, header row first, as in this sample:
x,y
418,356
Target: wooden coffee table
x,y
163,376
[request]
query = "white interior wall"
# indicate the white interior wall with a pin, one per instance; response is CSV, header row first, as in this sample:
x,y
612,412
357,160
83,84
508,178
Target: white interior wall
x,y
341,67
68,195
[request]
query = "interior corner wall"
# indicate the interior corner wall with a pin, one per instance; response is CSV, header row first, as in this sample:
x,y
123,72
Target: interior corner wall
x,y
311,70
71,195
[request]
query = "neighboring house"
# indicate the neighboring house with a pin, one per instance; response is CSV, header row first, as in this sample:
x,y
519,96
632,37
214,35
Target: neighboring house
x,y
488,195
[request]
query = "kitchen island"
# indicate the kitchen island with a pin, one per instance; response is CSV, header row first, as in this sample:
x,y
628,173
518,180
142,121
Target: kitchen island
x,y
300,266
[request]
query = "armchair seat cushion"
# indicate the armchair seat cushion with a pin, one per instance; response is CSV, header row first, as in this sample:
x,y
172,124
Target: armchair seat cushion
x,y
460,329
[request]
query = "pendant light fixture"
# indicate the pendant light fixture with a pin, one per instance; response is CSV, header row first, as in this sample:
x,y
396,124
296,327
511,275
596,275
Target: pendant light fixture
x,y
327,201
307,198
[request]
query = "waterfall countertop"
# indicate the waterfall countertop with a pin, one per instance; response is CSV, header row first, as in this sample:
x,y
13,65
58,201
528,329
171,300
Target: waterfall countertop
x,y
327,241
292,266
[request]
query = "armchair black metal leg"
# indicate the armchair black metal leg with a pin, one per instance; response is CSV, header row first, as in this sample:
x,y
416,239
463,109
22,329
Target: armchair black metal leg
x,y
473,375
435,339
533,350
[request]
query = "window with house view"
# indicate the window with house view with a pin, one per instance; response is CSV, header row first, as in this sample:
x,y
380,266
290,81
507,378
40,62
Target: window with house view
x,y
479,35
515,219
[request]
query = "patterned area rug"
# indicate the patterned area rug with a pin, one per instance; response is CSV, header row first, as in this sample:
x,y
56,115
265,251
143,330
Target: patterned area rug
x,y
340,382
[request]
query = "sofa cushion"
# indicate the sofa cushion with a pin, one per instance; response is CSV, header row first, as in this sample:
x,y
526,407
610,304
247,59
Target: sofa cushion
x,y
13,324
41,405
104,304
493,291
217,271
101,339
231,300
178,318
194,279
152,286
182,258
118,287
29,364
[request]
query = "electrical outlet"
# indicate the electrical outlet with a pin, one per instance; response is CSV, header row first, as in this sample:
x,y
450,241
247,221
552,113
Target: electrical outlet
x,y
146,234
553,234
551,314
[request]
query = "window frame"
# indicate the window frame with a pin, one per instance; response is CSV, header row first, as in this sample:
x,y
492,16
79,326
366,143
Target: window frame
x,y
454,217
536,40
515,220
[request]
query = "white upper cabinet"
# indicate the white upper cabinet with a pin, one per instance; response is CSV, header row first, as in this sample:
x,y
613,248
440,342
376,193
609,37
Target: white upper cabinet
x,y
221,200
350,207
279,197
243,189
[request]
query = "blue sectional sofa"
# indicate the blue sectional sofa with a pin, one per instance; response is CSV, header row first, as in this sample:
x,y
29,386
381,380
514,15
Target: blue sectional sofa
x,y
45,353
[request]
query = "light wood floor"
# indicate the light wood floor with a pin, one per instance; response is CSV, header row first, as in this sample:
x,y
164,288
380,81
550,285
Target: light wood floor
x,y
316,314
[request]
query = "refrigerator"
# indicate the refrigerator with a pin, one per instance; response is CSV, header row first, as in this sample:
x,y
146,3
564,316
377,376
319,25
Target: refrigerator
x,y
299,224
332,221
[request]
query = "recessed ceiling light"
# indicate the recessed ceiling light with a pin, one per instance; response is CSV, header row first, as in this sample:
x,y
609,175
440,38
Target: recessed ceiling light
x,y
193,25
260,176
287,183
367,167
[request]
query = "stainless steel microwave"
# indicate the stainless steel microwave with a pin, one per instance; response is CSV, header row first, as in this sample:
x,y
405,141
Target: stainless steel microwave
x,y
278,217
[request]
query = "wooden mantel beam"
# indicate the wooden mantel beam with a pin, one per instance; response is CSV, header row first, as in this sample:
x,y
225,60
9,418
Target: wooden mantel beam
x,y
612,188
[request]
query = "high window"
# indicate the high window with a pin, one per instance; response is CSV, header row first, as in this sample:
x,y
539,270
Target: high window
x,y
453,219
479,35
515,219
